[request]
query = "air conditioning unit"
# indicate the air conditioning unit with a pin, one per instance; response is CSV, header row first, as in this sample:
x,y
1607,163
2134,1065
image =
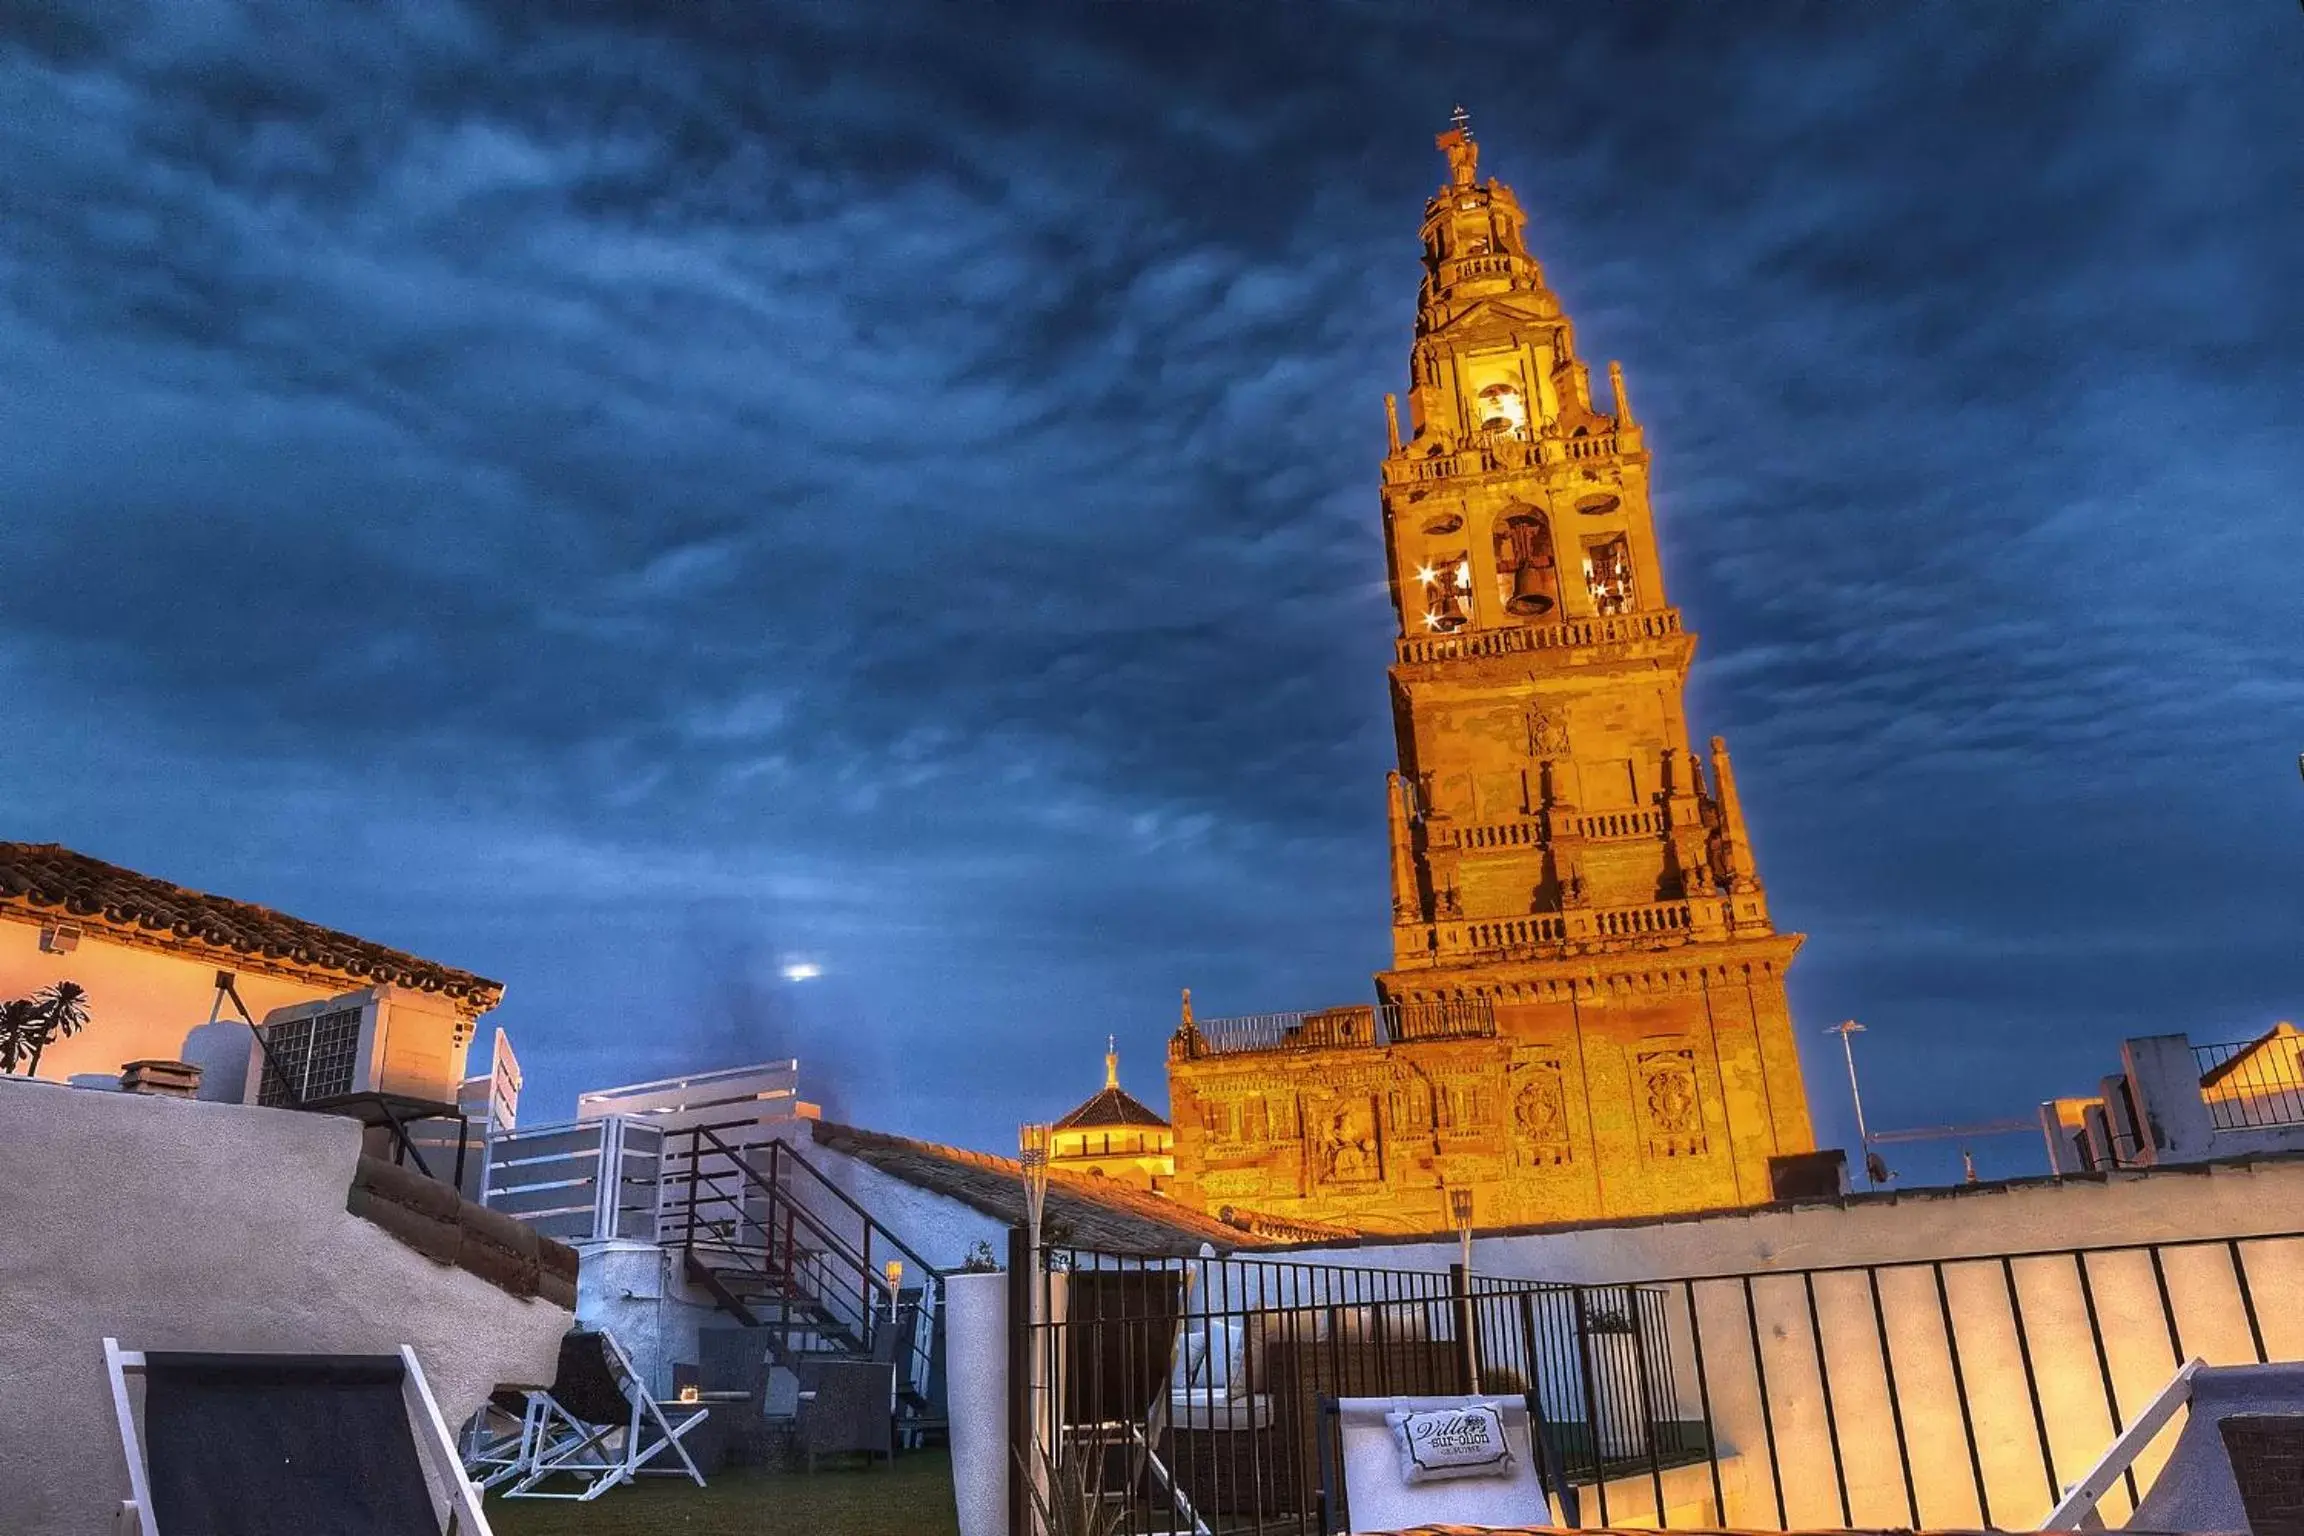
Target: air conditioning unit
x,y
382,1039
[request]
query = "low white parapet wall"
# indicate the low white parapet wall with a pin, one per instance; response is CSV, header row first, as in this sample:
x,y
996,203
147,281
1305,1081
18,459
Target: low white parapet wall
x,y
1946,1357
2244,1197
186,1225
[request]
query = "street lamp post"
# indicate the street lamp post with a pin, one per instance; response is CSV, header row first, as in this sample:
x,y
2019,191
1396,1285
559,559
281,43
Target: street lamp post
x,y
1032,1156
1460,1211
1847,1030
1032,1159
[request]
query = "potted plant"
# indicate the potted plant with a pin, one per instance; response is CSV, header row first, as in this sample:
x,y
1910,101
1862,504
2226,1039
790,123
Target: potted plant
x,y
1067,1492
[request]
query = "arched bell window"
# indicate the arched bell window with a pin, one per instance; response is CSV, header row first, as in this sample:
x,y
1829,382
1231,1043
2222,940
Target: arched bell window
x,y
1526,576
1503,411
1608,573
1446,583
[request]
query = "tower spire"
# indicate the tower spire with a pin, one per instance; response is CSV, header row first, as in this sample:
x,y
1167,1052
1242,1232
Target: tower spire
x,y
1736,844
1111,1061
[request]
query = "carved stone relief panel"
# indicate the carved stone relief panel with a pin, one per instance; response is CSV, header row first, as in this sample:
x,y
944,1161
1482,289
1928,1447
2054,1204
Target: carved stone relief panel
x,y
1410,1103
1344,1145
1669,1106
1547,735
1467,1103
1244,1113
1539,1091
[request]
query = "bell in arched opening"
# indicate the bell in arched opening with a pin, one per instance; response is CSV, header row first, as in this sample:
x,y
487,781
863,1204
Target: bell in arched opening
x,y
1524,564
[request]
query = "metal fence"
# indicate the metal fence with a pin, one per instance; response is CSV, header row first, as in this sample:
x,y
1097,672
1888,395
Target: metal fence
x,y
1938,1393
1354,1025
1188,1393
2253,1083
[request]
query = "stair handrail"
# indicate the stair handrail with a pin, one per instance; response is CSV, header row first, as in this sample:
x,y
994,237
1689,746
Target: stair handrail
x,y
786,1151
838,1249
859,1261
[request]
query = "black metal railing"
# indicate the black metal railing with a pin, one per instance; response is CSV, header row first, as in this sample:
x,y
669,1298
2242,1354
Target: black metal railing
x,y
1952,1393
2253,1083
1358,1024
1194,1386
781,1246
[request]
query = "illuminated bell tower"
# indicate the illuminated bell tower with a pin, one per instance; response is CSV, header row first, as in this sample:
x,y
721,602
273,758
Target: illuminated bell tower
x,y
1559,850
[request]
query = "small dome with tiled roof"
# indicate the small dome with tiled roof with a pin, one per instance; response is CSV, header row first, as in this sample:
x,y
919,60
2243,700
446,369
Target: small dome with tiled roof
x,y
1114,1106
1115,1135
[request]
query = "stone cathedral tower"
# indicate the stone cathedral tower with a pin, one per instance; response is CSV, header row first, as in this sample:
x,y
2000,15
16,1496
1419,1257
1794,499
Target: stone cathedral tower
x,y
1585,1015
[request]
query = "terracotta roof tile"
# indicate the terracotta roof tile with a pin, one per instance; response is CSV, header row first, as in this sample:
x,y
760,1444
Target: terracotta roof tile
x,y
1082,1211
48,882
1114,1106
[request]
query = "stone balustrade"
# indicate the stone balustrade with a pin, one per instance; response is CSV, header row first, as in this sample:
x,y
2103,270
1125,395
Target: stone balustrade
x,y
1514,459
1515,639
1651,923
1611,826
1529,831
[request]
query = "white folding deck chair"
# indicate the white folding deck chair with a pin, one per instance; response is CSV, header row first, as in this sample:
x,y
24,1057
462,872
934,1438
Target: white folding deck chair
x,y
2198,1488
599,1424
1367,1469
286,1445
497,1442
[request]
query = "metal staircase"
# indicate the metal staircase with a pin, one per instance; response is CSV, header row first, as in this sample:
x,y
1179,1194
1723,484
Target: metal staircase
x,y
781,1248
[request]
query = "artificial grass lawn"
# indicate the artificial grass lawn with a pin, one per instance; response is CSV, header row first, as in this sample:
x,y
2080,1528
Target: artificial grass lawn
x,y
913,1497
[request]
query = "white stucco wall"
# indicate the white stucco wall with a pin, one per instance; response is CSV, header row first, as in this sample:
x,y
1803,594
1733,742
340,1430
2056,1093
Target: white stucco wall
x,y
638,1292
144,1005
939,1229
186,1225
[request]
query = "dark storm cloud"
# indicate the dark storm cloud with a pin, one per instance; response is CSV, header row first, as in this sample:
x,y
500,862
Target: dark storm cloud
x,y
902,478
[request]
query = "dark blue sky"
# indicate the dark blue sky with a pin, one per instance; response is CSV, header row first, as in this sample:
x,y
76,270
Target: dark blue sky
x,y
617,496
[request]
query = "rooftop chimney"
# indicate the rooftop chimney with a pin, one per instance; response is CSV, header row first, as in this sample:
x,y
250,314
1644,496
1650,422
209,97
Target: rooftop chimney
x,y
168,1079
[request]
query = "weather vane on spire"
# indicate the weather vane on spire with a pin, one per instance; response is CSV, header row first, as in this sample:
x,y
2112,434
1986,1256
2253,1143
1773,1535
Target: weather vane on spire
x,y
1463,155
